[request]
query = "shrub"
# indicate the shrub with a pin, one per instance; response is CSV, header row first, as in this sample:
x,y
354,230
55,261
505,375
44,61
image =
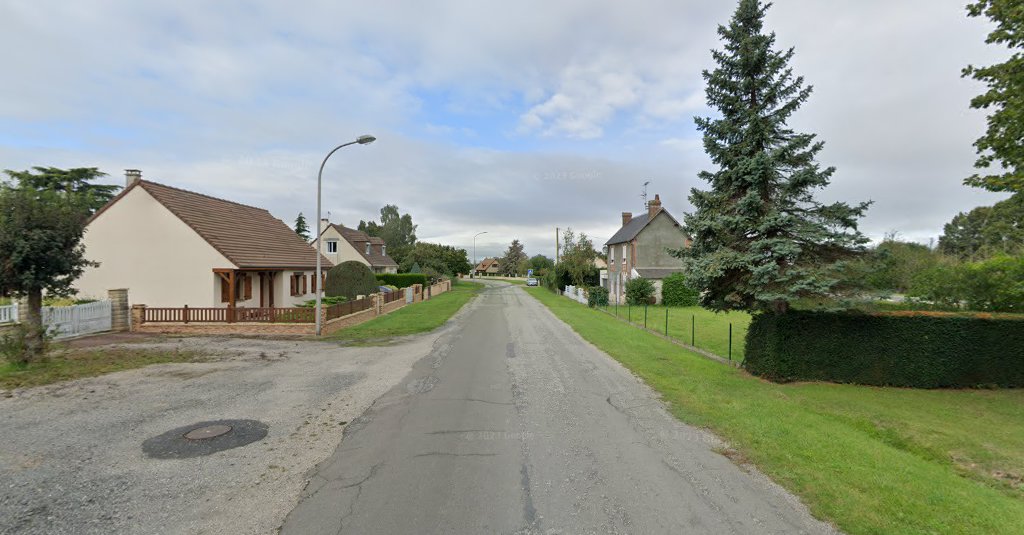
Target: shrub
x,y
675,292
597,296
993,285
350,279
401,280
923,350
325,301
12,343
639,291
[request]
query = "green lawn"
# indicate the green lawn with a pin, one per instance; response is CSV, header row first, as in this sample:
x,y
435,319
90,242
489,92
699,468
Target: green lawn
x,y
705,329
414,318
872,460
68,365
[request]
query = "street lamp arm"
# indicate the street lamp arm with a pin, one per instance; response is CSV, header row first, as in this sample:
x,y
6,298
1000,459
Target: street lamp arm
x,y
362,140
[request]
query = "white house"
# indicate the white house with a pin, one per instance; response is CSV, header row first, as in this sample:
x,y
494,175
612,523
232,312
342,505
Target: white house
x,y
171,247
341,244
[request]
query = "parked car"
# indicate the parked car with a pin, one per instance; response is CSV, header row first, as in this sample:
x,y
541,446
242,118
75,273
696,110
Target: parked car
x,y
385,289
532,282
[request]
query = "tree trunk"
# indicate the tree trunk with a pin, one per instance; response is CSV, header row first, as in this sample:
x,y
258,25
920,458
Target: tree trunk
x,y
780,306
33,324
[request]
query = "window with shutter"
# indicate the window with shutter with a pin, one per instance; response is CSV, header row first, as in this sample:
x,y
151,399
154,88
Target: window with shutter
x,y
303,279
292,281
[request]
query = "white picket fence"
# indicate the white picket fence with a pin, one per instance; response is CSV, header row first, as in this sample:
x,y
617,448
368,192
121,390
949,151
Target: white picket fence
x,y
9,313
65,322
576,294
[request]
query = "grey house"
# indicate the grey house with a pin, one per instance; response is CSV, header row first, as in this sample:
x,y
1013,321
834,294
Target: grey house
x,y
640,249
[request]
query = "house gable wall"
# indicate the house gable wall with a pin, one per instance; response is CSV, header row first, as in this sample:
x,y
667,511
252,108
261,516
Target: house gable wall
x,y
145,248
345,252
655,239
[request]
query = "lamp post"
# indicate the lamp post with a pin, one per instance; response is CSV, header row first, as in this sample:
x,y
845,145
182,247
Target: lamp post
x,y
471,275
362,140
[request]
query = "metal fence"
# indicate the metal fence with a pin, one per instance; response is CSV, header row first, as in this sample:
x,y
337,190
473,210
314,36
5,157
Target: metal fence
x,y
65,322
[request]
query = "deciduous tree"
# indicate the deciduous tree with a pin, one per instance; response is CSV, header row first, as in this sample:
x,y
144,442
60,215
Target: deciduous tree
x,y
397,231
1001,146
40,248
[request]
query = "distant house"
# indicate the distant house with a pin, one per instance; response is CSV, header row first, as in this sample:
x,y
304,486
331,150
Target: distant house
x,y
640,249
341,244
172,247
488,266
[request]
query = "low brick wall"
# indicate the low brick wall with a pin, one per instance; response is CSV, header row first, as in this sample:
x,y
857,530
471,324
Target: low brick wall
x,y
338,324
227,328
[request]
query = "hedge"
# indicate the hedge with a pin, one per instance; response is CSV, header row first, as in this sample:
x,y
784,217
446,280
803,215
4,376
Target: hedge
x,y
349,279
402,280
676,293
923,350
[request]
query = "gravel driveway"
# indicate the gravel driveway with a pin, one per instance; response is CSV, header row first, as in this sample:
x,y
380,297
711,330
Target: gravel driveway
x,y
71,458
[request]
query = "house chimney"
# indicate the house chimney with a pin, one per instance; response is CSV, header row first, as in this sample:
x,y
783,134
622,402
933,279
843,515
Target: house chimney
x,y
654,206
131,176
324,223
626,217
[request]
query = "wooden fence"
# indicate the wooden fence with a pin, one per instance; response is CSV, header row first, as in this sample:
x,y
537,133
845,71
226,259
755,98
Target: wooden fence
x,y
229,315
348,307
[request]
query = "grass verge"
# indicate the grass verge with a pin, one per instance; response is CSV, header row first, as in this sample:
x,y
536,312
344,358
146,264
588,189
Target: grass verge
x,y
412,319
68,365
871,460
696,326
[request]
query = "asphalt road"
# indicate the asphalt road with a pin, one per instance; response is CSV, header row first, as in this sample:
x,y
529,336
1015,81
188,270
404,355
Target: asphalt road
x,y
514,424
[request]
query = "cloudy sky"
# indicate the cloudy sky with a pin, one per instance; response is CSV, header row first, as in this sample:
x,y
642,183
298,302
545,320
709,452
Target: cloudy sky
x,y
508,117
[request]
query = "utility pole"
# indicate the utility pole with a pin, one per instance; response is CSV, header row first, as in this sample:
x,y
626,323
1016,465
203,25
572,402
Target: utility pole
x,y
557,247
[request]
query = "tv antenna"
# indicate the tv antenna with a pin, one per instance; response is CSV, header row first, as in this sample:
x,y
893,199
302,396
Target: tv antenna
x,y
644,194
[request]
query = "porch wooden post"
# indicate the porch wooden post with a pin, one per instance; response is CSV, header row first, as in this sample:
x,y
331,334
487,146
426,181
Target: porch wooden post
x,y
271,300
231,297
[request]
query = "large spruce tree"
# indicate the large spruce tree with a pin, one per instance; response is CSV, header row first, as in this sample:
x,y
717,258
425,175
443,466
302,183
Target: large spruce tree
x,y
760,239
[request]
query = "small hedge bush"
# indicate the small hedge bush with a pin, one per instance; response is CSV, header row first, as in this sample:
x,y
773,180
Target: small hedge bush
x,y
675,292
325,301
639,291
350,279
922,350
597,296
401,280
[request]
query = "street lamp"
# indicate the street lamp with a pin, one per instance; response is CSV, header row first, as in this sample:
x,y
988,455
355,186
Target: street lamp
x,y
471,275
362,140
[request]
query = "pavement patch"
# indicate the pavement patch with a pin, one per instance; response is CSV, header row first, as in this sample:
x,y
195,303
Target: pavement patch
x,y
204,438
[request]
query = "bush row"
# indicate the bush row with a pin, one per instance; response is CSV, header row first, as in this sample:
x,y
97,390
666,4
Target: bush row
x,y
402,280
929,350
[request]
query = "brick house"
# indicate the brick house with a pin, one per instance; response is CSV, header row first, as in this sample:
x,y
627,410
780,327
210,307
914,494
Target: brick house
x,y
640,249
172,247
341,244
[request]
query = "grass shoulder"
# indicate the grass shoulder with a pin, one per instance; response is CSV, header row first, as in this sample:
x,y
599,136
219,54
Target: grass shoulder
x,y
411,319
66,365
869,459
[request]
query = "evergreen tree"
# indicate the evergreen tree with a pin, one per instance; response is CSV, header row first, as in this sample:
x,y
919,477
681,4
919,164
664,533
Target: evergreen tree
x,y
1002,142
760,240
76,182
301,228
510,264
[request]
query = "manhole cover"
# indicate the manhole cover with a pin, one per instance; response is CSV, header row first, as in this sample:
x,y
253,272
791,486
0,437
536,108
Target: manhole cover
x,y
206,432
204,438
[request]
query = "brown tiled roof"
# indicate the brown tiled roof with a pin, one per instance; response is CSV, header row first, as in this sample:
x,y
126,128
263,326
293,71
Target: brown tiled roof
x,y
358,240
247,236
